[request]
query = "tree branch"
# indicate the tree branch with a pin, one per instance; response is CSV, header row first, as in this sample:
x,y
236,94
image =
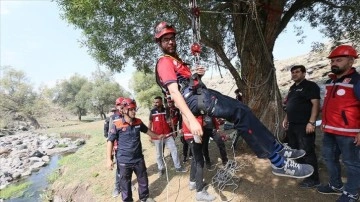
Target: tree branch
x,y
298,5
336,6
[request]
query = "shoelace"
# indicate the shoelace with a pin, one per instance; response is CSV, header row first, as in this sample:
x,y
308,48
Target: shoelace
x,y
291,164
355,197
336,189
286,147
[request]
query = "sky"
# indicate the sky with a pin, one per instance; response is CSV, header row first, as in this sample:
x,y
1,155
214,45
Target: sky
x,y
34,39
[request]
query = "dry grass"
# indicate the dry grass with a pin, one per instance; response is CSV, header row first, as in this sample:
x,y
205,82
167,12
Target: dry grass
x,y
84,176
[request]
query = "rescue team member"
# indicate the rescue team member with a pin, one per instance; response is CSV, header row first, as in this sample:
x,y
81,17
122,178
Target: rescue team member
x,y
197,164
193,99
210,129
129,157
302,109
115,116
159,124
341,125
175,117
107,122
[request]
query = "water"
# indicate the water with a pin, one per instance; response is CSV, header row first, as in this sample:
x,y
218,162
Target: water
x,y
38,182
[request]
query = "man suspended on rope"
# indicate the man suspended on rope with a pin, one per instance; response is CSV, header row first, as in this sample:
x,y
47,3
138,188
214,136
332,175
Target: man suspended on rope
x,y
193,99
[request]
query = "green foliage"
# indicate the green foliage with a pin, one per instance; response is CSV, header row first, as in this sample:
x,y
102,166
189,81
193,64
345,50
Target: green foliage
x,y
80,95
145,87
14,190
18,96
233,34
104,92
73,94
118,30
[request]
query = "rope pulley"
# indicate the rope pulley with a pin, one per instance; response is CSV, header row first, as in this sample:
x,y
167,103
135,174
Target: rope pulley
x,y
195,25
195,11
195,49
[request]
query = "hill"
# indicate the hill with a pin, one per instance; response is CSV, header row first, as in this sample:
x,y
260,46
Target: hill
x,y
317,66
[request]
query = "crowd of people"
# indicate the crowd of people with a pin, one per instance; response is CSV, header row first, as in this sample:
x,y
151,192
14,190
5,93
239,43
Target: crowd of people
x,y
191,110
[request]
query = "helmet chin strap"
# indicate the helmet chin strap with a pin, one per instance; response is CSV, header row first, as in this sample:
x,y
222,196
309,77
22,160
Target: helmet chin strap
x,y
127,116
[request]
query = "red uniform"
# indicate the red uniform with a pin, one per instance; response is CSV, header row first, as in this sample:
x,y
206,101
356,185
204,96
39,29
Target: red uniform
x,y
159,122
341,111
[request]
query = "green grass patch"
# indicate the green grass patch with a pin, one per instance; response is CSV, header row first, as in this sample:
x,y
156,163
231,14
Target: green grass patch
x,y
12,191
52,177
61,145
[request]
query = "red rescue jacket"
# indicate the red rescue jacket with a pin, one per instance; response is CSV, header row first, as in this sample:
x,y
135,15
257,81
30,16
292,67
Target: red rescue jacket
x,y
341,109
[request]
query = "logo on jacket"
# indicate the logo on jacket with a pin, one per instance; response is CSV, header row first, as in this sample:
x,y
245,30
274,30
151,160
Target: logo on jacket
x,y
340,92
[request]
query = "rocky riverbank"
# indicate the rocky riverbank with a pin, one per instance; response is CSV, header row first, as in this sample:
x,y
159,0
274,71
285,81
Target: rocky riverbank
x,y
25,152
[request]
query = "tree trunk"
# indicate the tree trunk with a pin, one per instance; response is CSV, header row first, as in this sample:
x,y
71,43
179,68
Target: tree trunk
x,y
79,113
255,39
33,121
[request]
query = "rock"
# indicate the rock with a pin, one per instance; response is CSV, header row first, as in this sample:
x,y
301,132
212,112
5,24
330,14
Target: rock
x,y
16,175
36,166
25,152
37,153
4,150
34,159
26,173
79,142
45,158
21,147
17,142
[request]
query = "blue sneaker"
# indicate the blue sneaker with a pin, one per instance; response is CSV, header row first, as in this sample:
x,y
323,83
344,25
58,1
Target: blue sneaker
x,y
290,153
293,169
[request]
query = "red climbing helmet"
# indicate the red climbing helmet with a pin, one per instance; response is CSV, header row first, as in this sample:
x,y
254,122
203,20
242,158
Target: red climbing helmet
x,y
343,50
163,28
119,101
129,103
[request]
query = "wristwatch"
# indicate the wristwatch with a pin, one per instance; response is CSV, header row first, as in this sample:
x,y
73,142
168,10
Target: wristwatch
x,y
312,123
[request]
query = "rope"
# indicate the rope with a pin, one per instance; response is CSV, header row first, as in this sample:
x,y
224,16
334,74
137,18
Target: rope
x,y
227,176
195,25
166,169
165,165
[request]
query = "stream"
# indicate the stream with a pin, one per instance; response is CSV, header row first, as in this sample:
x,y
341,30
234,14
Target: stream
x,y
38,182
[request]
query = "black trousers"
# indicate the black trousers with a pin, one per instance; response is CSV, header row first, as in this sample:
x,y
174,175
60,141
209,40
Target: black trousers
x,y
256,135
219,142
126,171
298,139
197,164
185,148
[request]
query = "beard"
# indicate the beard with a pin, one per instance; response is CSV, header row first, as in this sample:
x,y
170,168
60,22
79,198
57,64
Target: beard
x,y
336,70
171,51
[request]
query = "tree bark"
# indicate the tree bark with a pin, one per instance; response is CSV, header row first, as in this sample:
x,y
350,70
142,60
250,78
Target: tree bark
x,y
255,38
33,121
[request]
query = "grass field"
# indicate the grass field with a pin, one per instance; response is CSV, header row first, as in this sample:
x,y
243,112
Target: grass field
x,y
83,176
